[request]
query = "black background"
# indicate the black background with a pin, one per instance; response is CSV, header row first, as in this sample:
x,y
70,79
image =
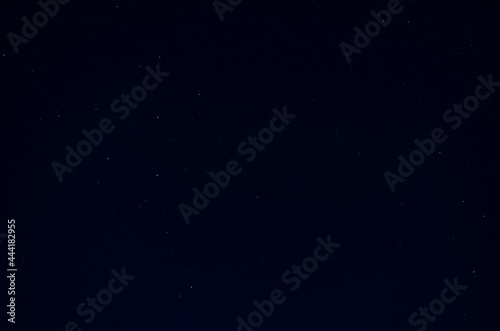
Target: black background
x,y
322,175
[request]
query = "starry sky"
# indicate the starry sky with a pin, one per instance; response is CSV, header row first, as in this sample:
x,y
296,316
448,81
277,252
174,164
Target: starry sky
x,y
322,175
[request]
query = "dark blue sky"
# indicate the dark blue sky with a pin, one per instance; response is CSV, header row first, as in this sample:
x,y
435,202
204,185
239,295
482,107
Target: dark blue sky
x,y
322,175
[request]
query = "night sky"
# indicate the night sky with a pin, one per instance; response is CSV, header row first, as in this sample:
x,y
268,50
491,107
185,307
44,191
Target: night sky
x,y
306,122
